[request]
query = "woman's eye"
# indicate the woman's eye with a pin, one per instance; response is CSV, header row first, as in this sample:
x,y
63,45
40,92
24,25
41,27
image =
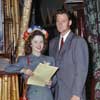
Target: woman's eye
x,y
35,42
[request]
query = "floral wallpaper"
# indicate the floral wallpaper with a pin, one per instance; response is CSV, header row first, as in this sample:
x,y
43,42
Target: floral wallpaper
x,y
92,18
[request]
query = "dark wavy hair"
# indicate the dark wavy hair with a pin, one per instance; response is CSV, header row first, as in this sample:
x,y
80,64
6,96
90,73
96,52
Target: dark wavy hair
x,y
28,48
63,11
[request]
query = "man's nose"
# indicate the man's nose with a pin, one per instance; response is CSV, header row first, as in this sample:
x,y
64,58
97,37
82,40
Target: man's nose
x,y
60,23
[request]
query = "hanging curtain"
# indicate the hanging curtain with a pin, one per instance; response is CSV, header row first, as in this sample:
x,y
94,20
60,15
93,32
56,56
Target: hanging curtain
x,y
92,17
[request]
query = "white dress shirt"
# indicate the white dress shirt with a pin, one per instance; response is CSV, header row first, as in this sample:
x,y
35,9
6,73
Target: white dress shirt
x,y
64,37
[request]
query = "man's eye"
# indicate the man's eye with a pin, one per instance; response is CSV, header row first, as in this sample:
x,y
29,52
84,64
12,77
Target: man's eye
x,y
41,41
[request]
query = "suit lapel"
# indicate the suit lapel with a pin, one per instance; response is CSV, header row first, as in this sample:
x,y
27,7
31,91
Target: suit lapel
x,y
66,44
65,48
57,45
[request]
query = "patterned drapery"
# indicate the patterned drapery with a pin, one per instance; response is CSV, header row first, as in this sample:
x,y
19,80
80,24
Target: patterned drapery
x,y
92,17
93,28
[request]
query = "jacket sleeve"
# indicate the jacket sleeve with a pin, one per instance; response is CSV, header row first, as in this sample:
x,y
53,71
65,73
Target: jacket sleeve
x,y
81,66
12,68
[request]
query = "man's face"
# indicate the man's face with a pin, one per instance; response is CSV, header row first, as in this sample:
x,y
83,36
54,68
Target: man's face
x,y
63,23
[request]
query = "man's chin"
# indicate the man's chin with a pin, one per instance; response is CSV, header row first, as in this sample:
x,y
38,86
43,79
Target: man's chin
x,y
39,51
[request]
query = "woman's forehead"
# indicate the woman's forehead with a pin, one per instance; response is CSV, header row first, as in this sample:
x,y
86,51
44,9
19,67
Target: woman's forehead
x,y
37,37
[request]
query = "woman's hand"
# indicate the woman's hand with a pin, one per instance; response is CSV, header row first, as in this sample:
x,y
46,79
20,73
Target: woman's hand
x,y
27,71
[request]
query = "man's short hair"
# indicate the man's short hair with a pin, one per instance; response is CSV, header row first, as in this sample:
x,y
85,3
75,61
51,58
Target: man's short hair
x,y
63,11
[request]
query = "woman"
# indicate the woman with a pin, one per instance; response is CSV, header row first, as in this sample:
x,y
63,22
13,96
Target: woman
x,y
26,64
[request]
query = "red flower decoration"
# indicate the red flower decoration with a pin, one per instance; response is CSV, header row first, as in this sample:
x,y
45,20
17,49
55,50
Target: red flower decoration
x,y
26,35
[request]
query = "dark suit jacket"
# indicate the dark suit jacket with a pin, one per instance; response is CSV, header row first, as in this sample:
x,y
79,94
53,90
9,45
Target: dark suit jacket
x,y
72,61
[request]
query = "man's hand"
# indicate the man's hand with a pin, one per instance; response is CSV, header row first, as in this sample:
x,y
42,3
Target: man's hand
x,y
48,83
74,97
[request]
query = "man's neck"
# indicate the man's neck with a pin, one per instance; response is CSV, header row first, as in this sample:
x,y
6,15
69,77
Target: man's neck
x,y
64,33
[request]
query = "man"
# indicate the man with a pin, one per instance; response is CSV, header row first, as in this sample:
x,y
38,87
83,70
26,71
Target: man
x,y
71,58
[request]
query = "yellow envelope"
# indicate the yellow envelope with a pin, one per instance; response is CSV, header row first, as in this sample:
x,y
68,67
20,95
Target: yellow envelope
x,y
42,74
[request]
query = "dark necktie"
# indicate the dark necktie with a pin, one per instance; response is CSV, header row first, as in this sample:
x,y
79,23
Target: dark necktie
x,y
61,43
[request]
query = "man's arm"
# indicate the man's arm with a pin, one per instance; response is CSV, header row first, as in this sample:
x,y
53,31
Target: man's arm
x,y
81,66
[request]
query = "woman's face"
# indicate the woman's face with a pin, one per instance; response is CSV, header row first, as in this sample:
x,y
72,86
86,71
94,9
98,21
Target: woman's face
x,y
37,44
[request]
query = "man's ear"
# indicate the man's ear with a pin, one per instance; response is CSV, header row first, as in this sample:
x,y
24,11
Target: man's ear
x,y
70,22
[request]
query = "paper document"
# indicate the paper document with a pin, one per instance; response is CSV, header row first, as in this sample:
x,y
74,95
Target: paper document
x,y
42,74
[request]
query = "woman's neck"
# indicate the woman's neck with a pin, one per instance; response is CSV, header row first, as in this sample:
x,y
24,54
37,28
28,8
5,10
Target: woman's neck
x,y
36,53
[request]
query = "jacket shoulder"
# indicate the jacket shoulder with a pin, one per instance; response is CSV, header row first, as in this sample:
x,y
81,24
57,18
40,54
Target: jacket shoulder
x,y
54,39
21,58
